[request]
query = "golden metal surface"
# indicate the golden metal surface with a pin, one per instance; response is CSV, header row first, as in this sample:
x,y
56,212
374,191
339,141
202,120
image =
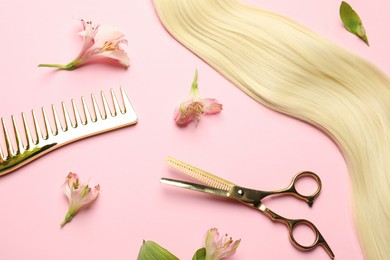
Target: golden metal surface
x,y
253,198
25,151
292,224
200,175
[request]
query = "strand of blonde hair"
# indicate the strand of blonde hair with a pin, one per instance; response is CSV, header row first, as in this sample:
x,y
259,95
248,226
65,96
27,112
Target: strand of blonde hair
x,y
290,69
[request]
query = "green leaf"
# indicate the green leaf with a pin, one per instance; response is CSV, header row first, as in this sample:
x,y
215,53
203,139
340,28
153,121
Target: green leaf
x,y
352,22
200,254
152,251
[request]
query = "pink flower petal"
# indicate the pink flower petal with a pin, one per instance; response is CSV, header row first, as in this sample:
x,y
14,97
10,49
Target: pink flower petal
x,y
211,241
211,106
88,34
118,55
70,181
107,33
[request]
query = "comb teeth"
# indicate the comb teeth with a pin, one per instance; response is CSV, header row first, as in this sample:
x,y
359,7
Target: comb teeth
x,y
205,177
57,135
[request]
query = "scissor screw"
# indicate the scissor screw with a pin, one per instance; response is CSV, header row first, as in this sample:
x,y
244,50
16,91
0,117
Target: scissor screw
x,y
240,193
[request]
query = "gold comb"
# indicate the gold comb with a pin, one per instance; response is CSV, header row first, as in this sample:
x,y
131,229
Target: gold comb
x,y
31,148
202,176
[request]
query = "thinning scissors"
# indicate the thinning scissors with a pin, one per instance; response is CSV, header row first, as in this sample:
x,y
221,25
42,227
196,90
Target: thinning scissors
x,y
220,187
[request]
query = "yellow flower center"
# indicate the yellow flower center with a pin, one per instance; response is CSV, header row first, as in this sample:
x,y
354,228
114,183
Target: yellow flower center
x,y
195,109
109,46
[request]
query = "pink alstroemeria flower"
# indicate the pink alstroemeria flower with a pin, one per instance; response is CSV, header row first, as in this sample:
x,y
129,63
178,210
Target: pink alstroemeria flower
x,y
99,41
218,247
193,107
78,195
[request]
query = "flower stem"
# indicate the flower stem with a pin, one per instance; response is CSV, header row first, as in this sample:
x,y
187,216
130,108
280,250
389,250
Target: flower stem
x,y
67,218
70,66
194,87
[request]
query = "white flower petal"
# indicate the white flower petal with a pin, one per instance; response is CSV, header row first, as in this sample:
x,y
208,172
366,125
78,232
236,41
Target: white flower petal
x,y
119,55
107,33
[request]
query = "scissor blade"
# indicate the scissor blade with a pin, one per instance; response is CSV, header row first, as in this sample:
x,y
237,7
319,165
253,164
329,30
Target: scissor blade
x,y
194,186
200,175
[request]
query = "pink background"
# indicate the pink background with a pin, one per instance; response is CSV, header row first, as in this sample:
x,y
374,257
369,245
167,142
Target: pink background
x,y
247,143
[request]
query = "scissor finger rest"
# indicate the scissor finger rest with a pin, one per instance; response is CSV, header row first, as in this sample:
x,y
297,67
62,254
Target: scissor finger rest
x,y
295,192
318,241
291,189
294,223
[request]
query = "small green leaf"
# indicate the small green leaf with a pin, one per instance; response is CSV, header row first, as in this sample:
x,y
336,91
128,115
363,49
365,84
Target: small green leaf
x,y
152,251
200,254
352,22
